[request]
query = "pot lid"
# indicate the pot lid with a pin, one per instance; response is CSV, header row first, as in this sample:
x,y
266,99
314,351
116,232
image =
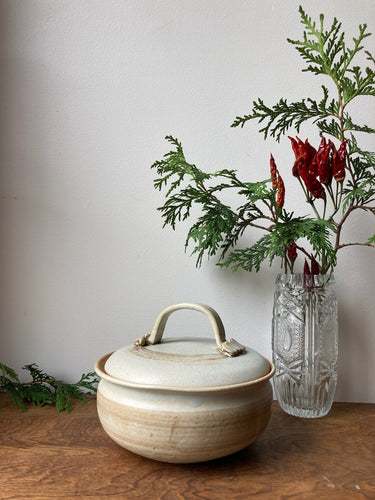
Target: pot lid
x,y
186,363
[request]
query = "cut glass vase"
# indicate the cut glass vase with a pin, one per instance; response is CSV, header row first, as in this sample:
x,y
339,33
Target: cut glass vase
x,y
305,344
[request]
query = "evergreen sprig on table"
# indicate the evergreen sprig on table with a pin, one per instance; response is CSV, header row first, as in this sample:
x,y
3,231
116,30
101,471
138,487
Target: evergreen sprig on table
x,y
45,389
335,181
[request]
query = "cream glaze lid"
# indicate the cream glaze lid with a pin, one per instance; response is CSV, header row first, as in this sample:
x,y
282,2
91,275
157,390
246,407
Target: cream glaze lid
x,y
186,363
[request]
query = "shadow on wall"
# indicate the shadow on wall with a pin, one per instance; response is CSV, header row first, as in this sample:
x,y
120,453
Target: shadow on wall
x,y
355,353
30,220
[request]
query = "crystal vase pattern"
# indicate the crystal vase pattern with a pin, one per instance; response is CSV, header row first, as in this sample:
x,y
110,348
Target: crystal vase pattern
x,y
305,344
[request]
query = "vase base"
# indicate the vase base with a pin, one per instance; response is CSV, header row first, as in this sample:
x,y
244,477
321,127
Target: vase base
x,y
305,412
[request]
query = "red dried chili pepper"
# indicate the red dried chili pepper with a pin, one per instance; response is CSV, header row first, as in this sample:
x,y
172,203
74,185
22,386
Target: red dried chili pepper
x,y
338,165
306,268
280,191
292,251
316,188
313,185
310,153
297,146
342,151
305,154
315,269
323,162
273,170
304,168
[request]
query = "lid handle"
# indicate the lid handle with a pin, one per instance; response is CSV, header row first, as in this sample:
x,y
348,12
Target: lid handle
x,y
227,347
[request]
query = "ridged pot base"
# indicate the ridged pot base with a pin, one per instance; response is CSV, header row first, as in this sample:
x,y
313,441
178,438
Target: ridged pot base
x,y
194,435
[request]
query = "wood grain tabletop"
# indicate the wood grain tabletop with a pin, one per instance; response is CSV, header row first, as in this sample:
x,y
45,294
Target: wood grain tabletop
x,y
45,454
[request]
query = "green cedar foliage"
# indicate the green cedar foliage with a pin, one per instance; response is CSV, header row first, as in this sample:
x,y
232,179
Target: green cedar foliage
x,y
45,389
219,227
326,53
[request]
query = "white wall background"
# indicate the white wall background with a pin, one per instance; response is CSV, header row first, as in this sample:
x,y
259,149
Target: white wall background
x,y
89,89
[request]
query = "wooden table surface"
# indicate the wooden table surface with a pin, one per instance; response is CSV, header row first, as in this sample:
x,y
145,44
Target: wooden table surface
x,y
49,455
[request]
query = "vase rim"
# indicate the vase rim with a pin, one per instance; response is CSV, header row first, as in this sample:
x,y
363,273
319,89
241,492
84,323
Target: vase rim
x,y
305,280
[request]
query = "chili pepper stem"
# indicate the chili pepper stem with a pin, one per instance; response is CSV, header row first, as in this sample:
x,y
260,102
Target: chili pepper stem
x,y
303,188
324,210
339,190
288,264
332,196
309,200
291,266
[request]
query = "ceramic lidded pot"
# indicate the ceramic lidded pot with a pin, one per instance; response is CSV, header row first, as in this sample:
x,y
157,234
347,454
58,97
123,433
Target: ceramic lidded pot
x,y
184,399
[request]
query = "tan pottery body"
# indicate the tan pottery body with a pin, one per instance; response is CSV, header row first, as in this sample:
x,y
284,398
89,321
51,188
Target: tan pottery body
x,y
186,416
